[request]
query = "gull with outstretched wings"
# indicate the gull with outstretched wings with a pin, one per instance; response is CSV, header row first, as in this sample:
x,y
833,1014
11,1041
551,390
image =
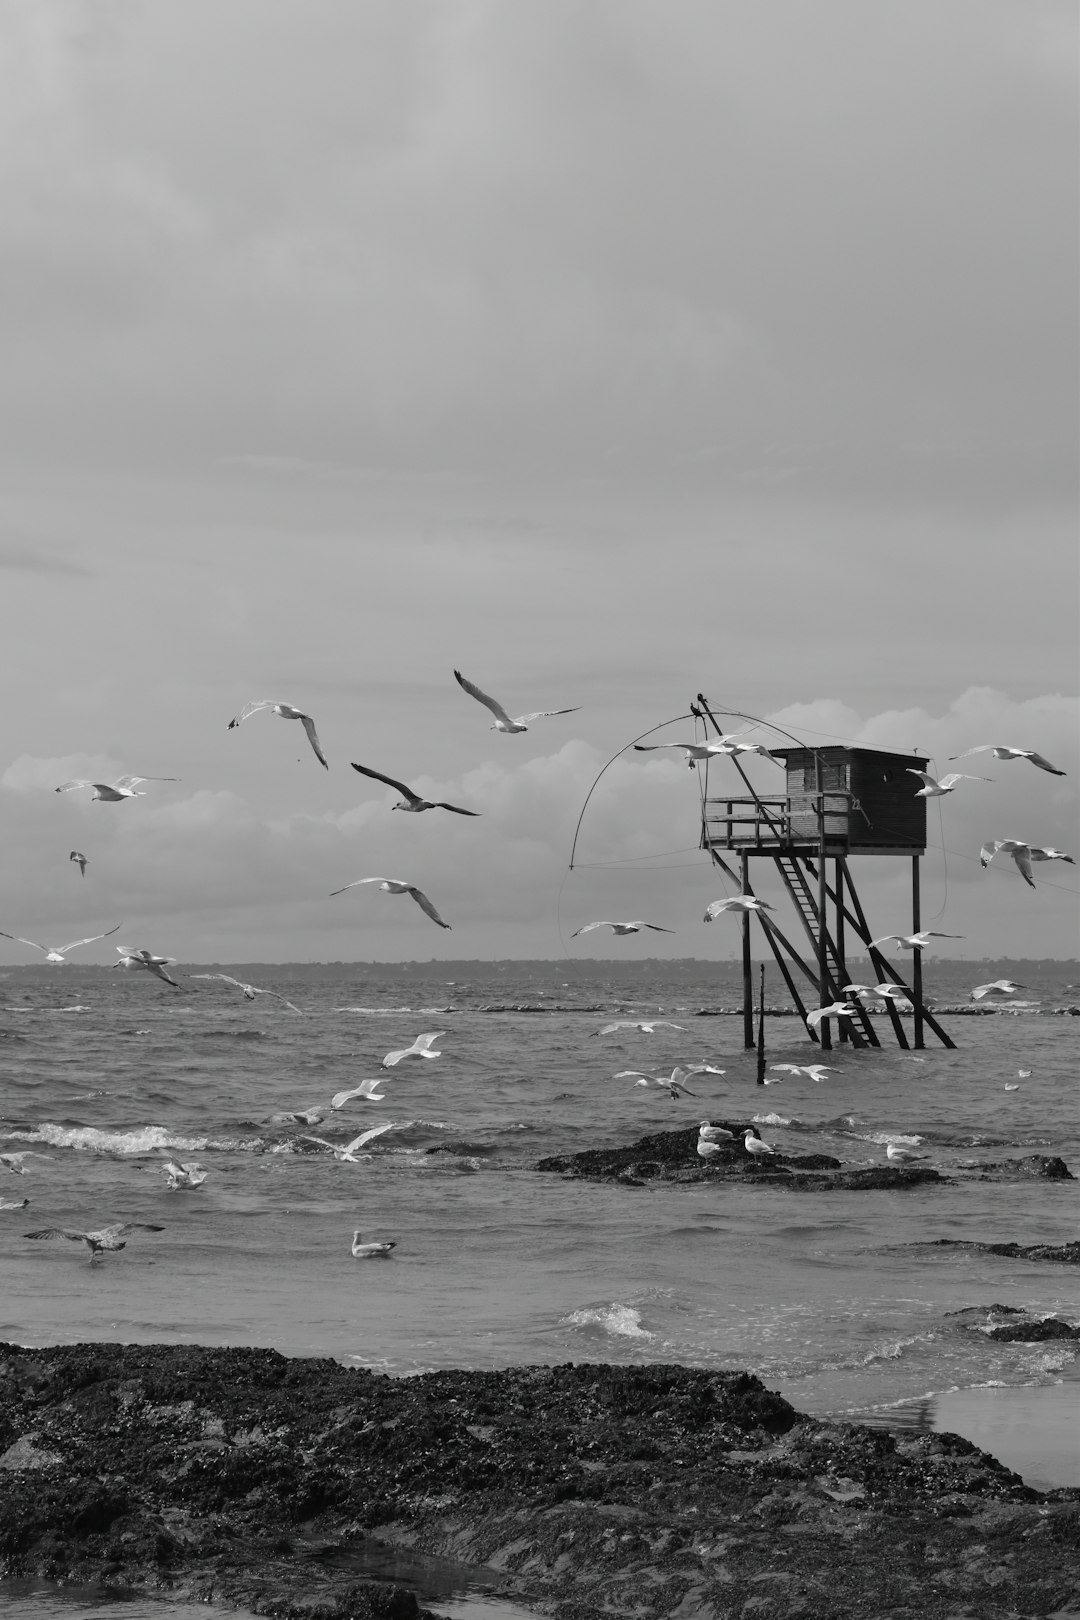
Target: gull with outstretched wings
x,y
999,751
250,991
997,987
57,953
125,787
934,789
347,1154
621,928
913,942
398,886
108,1237
835,1009
411,801
368,1089
735,902
132,958
287,712
646,1024
422,1047
503,721
695,752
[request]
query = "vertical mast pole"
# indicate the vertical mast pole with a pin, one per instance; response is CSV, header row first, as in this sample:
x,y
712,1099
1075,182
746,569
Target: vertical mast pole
x,y
916,966
823,898
747,967
841,960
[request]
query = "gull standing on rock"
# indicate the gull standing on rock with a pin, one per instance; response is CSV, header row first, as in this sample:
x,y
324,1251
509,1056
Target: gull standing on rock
x,y
621,928
503,721
397,886
287,712
420,1048
903,1155
934,789
250,990
999,751
123,788
156,965
756,1148
735,902
714,1133
56,953
411,801
108,1237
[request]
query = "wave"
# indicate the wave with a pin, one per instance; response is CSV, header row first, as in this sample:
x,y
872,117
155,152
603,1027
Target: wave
x,y
772,1119
623,1321
129,1144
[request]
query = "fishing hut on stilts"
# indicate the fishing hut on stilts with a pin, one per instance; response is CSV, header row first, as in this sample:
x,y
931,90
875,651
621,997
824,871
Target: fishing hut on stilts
x,y
838,802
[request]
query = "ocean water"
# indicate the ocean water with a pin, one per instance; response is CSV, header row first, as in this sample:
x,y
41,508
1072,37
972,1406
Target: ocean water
x,y
838,1300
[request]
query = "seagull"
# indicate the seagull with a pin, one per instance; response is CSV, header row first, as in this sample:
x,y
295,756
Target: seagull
x,y
123,788
714,1133
56,953
707,1150
999,751
13,1161
24,1203
860,990
1023,1074
934,789
368,1089
77,856
156,965
699,751
370,1251
183,1175
736,902
621,928
672,1083
835,1009
398,886
503,722
891,992
109,1237
756,1148
420,1048
250,990
301,1116
998,987
646,1024
903,1155
816,1071
412,801
287,712
913,942
1039,852
347,1154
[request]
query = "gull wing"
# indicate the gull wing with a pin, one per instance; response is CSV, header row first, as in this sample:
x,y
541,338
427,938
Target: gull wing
x,y
358,881
66,787
250,708
279,997
32,942
961,776
639,1074
133,781
366,1136
587,928
543,714
91,940
887,939
657,928
321,1141
426,906
227,979
980,748
1022,857
407,793
481,697
309,726
58,1231
125,1227
423,1043
1043,764
929,780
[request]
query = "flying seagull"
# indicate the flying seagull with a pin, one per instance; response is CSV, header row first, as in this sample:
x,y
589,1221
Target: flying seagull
x,y
369,1251
368,1089
420,1048
934,788
77,856
621,928
398,886
998,987
999,751
672,1083
1023,855
699,751
109,1237
1044,852
503,721
250,990
913,942
835,1009
735,902
646,1024
816,1071
347,1154
411,801
130,958
56,953
125,787
287,712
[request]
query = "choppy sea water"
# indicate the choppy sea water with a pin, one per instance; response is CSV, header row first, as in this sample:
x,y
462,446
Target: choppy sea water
x,y
838,1300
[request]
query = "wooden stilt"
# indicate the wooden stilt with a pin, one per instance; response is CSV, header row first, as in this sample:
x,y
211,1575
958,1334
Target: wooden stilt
x,y
916,965
747,969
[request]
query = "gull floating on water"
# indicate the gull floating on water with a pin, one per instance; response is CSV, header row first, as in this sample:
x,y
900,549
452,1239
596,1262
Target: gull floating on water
x,y
123,788
108,1237
398,886
368,1089
816,1071
347,1154
250,990
420,1048
287,712
503,721
934,789
903,1155
56,953
14,1161
756,1148
14,1203
997,987
369,1251
183,1175
76,855
302,1116
835,1009
130,958
412,801
646,1024
735,902
999,751
621,928
913,942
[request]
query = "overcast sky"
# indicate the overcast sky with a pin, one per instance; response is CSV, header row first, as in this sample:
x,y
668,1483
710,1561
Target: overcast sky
x,y
609,351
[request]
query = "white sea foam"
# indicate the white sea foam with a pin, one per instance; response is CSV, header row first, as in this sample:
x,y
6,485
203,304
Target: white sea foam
x,y
621,1320
772,1119
144,1139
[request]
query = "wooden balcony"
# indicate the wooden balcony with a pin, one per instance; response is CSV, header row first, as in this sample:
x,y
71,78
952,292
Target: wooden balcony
x,y
772,825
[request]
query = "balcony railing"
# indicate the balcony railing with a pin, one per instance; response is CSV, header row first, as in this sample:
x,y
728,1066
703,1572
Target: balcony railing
x,y
769,823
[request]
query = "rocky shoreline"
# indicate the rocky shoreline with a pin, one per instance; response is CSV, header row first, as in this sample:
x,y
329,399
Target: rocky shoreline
x,y
286,1486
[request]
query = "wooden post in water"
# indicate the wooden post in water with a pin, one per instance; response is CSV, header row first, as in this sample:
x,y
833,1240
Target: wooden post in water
x,y
823,897
761,1031
916,966
841,962
747,966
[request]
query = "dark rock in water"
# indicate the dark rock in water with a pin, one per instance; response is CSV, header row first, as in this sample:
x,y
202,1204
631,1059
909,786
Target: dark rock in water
x,y
290,1488
1048,1327
1067,1254
1035,1167
673,1156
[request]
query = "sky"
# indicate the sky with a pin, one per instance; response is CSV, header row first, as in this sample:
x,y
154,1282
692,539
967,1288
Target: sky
x,y
609,353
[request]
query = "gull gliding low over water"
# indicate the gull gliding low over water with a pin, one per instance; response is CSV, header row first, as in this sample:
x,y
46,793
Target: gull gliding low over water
x,y
999,751
835,1009
420,1048
997,987
347,1154
621,928
735,902
367,1089
123,788
645,1024
816,1071
411,801
398,886
250,990
130,958
503,721
672,1083
56,953
287,712
107,1237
